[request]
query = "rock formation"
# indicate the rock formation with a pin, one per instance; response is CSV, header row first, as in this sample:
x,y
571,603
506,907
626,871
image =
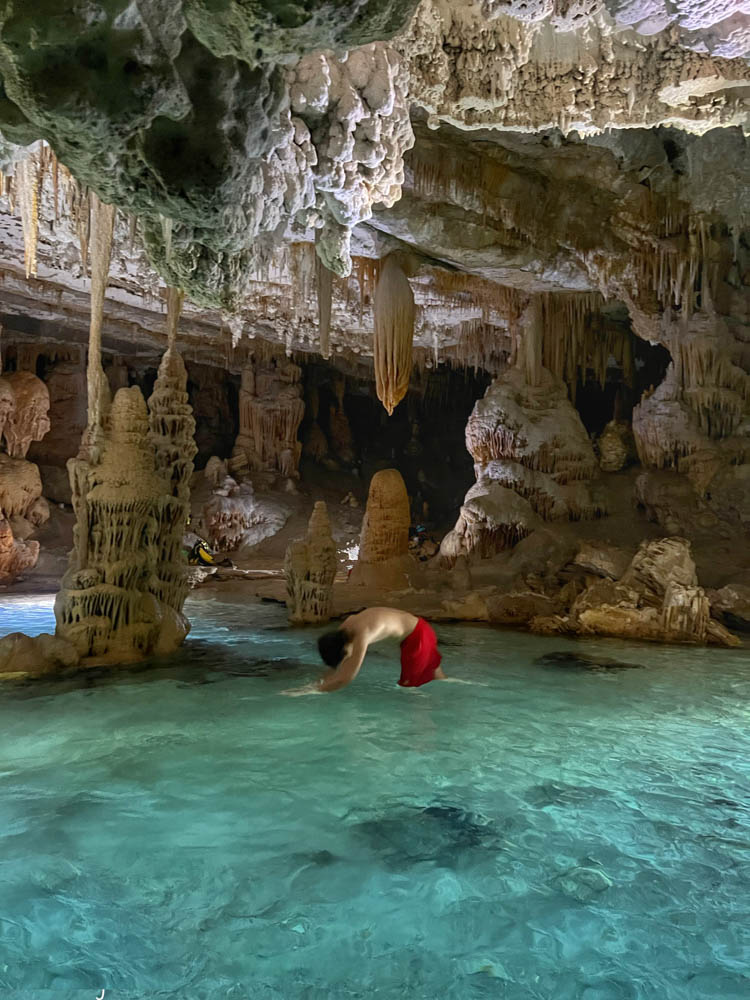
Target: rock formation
x,y
616,446
393,311
657,598
310,567
232,518
28,420
121,598
271,410
23,656
15,555
65,379
533,462
384,560
553,194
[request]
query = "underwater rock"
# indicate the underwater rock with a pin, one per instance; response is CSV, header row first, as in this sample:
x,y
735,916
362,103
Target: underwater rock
x,y
583,883
583,661
439,833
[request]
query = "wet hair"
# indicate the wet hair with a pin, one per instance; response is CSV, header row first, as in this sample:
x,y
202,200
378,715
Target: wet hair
x,y
331,646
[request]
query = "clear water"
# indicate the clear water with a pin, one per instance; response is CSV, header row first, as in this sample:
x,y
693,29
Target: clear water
x,y
554,834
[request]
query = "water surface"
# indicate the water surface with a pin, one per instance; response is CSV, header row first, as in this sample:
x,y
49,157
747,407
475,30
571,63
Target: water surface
x,y
555,830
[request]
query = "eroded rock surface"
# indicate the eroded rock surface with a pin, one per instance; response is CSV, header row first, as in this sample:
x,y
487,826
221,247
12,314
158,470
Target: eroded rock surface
x,y
310,567
384,560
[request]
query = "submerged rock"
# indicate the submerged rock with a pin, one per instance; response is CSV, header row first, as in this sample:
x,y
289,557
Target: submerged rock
x,y
439,833
583,883
582,661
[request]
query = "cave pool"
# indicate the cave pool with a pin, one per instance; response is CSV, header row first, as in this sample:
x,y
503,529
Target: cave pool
x,y
556,833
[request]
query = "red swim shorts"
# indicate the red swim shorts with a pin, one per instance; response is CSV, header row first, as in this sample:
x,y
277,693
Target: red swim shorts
x,y
419,656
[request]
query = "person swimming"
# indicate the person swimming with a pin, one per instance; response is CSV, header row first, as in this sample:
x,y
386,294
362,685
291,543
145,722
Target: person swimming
x,y
344,649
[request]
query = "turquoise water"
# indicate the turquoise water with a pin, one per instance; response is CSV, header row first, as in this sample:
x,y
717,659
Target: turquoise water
x,y
557,833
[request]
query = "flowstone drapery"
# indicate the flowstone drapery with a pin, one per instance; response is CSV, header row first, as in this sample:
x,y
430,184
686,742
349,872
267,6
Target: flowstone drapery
x,y
121,598
310,568
393,308
271,410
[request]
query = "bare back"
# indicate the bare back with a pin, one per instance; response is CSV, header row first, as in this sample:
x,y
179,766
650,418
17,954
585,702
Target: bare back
x,y
375,624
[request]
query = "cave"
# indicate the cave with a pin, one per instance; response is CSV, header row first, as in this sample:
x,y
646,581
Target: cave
x,y
395,353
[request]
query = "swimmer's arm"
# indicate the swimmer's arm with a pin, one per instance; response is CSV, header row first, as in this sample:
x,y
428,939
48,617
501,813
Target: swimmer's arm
x,y
345,672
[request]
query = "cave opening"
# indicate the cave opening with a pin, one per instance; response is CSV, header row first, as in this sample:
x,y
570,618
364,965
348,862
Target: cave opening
x,y
597,403
424,438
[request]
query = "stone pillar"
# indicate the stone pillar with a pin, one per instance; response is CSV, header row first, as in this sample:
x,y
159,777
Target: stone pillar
x,y
384,560
310,568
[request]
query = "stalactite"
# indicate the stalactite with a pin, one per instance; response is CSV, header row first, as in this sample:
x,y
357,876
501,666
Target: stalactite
x,y
27,182
577,339
102,227
394,334
175,298
367,272
324,284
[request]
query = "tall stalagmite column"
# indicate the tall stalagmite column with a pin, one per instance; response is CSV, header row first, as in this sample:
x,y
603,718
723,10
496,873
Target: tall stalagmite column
x,y
384,561
121,598
310,568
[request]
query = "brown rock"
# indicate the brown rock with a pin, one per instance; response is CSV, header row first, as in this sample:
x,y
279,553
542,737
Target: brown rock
x,y
33,656
384,559
602,559
310,568
616,446
28,421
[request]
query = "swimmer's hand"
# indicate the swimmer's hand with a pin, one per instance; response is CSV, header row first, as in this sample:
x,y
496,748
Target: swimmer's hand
x,y
313,688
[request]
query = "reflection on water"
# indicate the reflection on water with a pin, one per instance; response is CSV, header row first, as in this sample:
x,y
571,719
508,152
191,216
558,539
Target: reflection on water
x,y
568,830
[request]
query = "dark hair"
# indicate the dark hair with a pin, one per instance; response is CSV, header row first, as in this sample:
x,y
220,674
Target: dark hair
x,y
331,646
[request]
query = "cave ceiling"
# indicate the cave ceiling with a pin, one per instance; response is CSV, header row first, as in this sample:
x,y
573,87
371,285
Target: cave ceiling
x,y
499,147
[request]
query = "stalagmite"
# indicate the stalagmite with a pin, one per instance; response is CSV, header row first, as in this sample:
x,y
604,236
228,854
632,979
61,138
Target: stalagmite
x,y
107,607
533,461
121,599
172,434
310,568
394,334
384,543
616,446
338,424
